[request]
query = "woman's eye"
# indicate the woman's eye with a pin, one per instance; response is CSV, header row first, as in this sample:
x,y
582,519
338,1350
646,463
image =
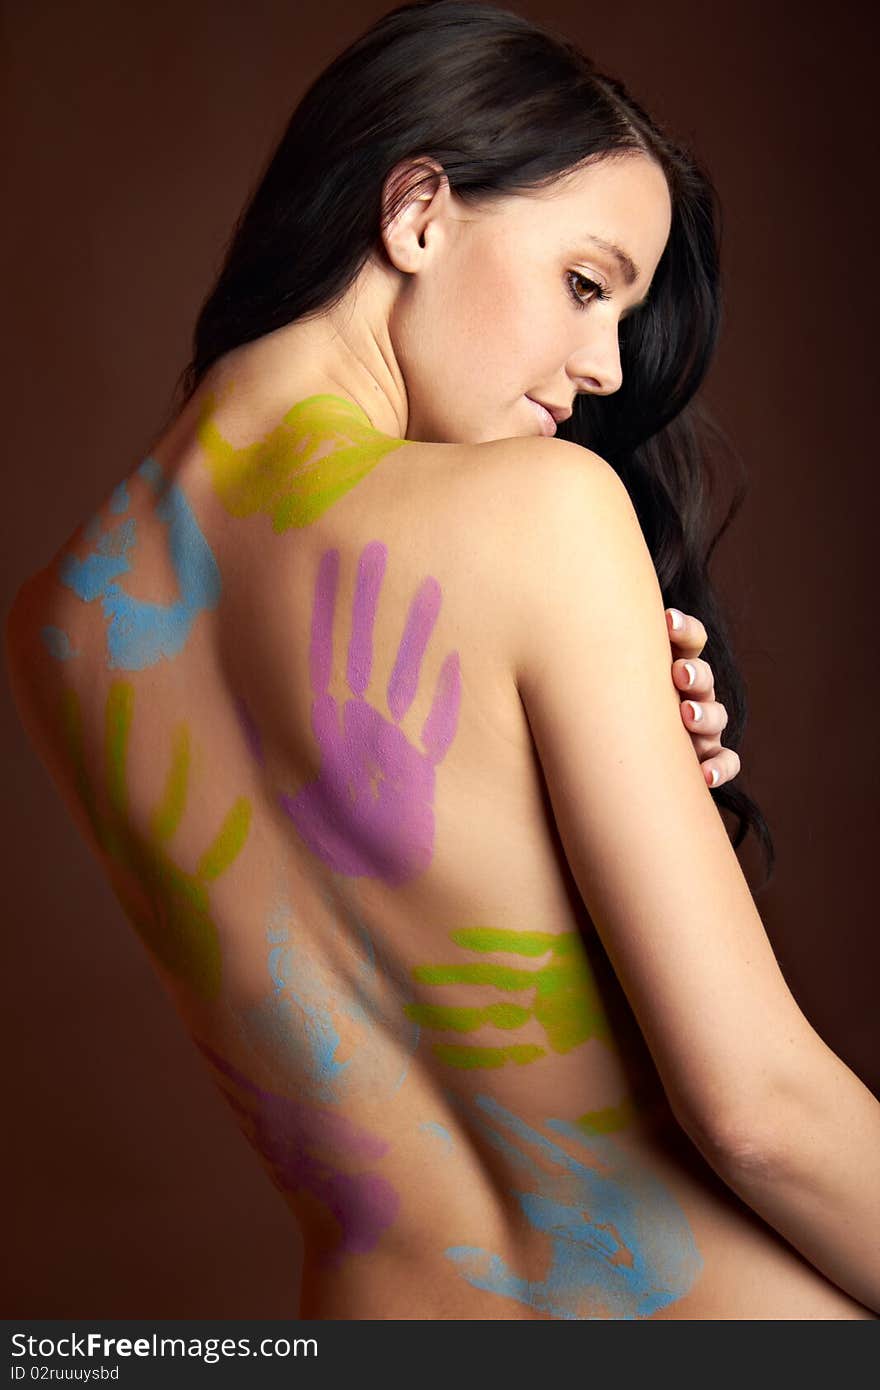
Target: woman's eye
x,y
597,291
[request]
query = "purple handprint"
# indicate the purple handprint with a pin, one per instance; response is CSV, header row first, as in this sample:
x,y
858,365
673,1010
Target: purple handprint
x,y
306,1149
369,813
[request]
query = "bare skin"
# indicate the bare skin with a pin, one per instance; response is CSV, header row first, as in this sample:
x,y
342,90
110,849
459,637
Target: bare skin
x,y
271,680
390,975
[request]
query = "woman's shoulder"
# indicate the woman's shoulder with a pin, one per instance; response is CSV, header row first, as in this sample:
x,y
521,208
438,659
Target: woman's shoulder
x,y
509,488
515,502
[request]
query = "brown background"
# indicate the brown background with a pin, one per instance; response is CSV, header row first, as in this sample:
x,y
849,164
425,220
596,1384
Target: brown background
x,y
136,131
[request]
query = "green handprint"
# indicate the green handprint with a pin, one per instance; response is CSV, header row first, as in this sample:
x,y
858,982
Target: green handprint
x,y
565,1003
168,907
323,446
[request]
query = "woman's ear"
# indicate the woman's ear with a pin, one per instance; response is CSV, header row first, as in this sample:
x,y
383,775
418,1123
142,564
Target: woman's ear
x,y
411,210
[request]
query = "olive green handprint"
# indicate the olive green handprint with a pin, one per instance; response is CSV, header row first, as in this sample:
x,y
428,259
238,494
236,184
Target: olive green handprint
x,y
169,907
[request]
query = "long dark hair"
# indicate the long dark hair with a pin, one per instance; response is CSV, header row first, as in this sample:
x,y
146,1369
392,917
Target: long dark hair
x,y
505,106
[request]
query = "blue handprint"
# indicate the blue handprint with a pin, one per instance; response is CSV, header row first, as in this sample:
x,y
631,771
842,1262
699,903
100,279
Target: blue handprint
x,y
139,633
621,1246
314,1013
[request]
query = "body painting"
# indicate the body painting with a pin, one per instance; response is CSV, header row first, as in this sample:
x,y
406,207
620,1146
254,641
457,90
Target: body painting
x,y
442,1133
323,447
620,1246
140,633
303,1146
565,1000
609,1118
57,643
370,811
340,1032
168,906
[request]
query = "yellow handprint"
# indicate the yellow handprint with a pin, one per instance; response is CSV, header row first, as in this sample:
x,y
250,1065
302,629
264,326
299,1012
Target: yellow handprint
x,y
321,449
168,906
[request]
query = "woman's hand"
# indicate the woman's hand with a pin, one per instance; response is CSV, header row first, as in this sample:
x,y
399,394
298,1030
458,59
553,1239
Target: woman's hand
x,y
719,764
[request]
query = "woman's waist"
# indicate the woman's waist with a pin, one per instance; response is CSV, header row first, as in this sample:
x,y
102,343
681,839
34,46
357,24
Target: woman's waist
x,y
518,1186
566,1224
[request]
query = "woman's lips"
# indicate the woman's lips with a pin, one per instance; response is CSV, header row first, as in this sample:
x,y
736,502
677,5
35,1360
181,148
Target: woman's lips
x,y
548,424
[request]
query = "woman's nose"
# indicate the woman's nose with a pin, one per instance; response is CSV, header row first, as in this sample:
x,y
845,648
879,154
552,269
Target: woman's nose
x,y
596,369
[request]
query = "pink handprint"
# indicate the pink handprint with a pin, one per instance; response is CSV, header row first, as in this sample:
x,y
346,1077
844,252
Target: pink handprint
x,y
308,1148
369,813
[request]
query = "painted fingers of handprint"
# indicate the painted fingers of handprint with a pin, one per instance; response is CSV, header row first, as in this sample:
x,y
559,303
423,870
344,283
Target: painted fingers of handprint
x,y
371,571
440,725
169,907
370,810
564,1001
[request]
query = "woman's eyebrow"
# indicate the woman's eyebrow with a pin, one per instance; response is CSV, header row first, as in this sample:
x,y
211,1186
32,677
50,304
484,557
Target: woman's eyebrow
x,y
627,265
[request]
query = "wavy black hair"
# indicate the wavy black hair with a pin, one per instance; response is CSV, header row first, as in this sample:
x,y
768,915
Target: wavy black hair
x,y
505,106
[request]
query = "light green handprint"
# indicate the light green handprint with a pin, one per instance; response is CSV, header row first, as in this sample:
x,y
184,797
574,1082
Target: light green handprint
x,y
565,1001
168,906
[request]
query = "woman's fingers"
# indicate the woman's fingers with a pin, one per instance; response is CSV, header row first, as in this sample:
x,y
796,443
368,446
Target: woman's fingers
x,y
721,767
702,713
708,718
685,632
694,676
704,717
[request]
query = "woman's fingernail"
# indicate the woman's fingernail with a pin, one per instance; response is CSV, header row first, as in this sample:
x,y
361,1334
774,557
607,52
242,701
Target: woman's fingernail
x,y
716,777
677,619
696,711
692,672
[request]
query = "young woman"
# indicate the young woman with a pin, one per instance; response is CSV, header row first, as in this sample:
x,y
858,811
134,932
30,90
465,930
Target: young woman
x,y
358,686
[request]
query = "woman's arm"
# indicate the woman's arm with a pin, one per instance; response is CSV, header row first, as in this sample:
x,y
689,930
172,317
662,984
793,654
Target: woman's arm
x,y
818,1180
776,1113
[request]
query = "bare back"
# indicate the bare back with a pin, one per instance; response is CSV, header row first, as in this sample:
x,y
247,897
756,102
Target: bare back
x,y
270,679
